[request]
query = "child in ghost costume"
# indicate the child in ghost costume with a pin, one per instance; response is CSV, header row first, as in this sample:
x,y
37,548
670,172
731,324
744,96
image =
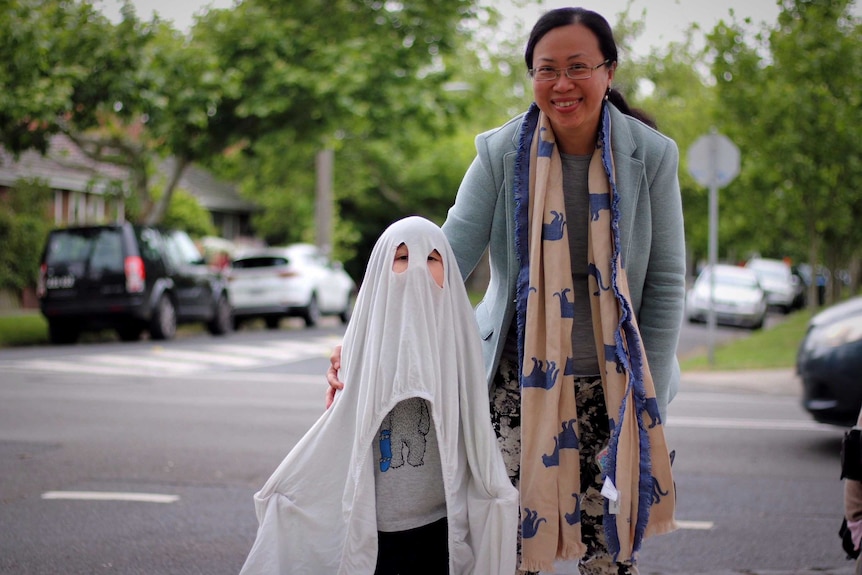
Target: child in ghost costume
x,y
414,400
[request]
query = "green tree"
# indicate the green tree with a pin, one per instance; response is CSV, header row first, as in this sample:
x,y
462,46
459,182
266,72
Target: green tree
x,y
369,80
24,225
793,105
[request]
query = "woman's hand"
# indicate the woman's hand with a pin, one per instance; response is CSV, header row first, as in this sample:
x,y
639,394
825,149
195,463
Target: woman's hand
x,y
332,376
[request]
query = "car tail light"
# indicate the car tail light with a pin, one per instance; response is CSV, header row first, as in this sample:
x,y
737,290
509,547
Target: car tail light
x,y
135,274
40,285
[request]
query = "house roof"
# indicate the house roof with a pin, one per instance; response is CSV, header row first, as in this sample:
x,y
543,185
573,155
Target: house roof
x,y
65,167
213,194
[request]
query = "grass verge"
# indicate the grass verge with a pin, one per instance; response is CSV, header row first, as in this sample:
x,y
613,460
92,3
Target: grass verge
x,y
23,329
771,348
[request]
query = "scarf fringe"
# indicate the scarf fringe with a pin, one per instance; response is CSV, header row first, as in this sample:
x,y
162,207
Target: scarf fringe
x,y
573,551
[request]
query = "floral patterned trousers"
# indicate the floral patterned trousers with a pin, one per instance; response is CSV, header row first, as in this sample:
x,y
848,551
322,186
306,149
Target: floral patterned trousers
x,y
593,433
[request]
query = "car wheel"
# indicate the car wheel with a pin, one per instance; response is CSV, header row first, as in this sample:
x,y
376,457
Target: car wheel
x,y
237,323
272,322
311,314
62,332
222,320
346,314
163,324
129,332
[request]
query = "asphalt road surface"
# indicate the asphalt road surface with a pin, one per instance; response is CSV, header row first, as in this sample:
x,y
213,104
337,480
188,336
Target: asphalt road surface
x,y
143,458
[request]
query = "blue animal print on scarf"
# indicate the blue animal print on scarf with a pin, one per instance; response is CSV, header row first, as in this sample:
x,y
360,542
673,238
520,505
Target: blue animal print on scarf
x,y
530,524
568,436
651,406
553,230
574,516
599,202
657,493
567,308
544,378
567,439
553,459
597,273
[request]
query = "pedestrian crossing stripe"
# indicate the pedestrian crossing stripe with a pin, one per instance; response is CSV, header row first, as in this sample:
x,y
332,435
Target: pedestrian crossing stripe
x,y
161,359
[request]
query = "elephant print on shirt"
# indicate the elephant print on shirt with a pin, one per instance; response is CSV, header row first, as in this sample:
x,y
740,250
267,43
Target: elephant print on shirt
x,y
406,426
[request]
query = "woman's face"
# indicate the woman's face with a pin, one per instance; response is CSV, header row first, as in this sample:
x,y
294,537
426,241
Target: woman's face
x,y
573,106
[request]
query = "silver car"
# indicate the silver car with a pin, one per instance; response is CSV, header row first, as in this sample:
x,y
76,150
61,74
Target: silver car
x,y
777,279
295,280
739,299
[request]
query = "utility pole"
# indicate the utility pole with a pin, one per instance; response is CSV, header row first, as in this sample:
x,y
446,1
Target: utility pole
x,y
323,200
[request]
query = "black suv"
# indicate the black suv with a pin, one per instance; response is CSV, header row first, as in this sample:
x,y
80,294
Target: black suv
x,y
129,278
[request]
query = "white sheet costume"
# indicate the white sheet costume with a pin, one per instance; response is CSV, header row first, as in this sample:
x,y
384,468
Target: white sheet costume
x,y
407,338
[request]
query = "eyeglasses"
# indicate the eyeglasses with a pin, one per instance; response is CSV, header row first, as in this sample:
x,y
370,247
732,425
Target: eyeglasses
x,y
575,72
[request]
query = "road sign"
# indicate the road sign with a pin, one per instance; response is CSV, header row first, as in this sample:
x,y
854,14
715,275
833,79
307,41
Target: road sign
x,y
713,160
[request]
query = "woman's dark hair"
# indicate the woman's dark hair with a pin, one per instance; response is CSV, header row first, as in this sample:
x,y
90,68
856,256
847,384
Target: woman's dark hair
x,y
597,24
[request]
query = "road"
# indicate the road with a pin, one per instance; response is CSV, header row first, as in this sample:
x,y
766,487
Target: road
x,y
143,458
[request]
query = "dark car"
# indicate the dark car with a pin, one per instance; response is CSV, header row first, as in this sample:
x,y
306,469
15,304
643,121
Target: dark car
x,y
128,278
829,362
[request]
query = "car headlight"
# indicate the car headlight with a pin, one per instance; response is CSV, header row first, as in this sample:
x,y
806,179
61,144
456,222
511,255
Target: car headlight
x,y
838,333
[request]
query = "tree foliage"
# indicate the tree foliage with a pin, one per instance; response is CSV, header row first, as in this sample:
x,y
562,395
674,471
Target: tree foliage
x,y
23,228
400,89
793,105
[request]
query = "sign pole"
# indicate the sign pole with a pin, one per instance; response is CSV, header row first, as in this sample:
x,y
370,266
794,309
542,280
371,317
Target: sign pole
x,y
713,252
713,161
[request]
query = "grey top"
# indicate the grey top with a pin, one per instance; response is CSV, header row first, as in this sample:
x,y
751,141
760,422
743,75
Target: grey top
x,y
408,477
576,196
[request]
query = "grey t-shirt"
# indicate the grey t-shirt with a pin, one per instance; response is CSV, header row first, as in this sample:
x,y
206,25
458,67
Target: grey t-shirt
x,y
408,475
577,200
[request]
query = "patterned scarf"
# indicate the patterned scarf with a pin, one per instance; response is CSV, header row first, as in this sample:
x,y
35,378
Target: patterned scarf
x,y
639,490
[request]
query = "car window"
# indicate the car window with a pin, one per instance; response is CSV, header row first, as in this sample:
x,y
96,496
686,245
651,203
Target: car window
x,y
67,247
149,242
260,262
181,249
108,252
102,248
735,278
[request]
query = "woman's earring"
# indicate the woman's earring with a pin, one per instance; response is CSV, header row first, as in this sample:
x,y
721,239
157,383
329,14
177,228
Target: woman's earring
x,y
608,93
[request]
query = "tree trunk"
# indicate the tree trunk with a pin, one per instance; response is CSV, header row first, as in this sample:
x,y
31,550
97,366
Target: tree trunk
x,y
157,214
813,250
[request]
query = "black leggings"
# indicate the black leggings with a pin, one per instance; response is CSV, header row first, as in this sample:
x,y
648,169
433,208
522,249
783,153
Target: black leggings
x,y
420,551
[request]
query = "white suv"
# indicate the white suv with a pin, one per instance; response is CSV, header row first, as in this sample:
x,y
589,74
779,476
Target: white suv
x,y
296,280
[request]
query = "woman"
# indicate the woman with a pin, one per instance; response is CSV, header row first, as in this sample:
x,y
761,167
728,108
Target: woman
x,y
578,201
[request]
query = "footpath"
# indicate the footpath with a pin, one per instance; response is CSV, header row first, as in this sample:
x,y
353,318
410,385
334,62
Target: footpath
x,y
767,381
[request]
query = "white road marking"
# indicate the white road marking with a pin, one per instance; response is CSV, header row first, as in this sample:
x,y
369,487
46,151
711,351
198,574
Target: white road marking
x,y
111,496
66,367
139,363
205,357
696,525
162,359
